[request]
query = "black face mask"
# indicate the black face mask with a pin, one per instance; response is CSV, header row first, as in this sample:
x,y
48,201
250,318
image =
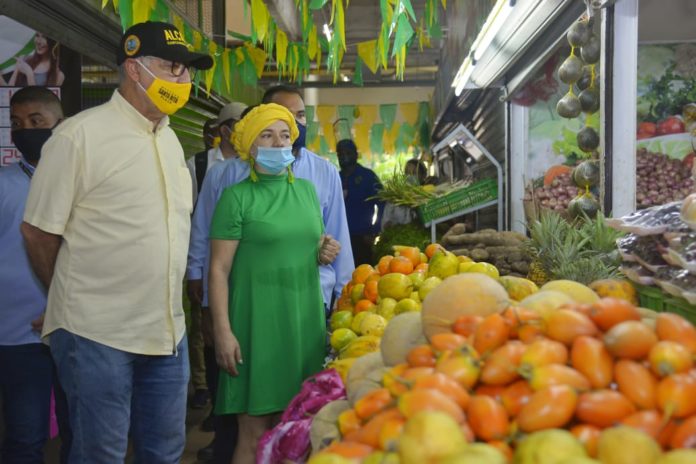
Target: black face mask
x,y
30,142
347,161
301,138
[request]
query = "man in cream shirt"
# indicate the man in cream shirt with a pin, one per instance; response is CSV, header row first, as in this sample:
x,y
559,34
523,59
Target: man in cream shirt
x,y
107,229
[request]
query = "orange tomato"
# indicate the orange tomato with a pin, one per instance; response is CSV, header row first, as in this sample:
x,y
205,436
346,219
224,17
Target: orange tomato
x,y
447,341
401,264
421,356
462,367
444,384
363,305
589,356
466,325
362,272
608,312
556,374
565,325
636,383
431,249
348,421
494,391
673,327
501,366
515,396
651,422
372,403
603,408
422,267
503,447
588,435
415,401
369,433
383,264
517,316
491,333
370,290
552,407
676,395
390,433
399,383
544,351
684,435
348,449
668,357
528,333
630,339
487,418
412,254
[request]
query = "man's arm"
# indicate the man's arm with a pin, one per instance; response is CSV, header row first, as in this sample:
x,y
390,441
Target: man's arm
x,y
42,248
336,225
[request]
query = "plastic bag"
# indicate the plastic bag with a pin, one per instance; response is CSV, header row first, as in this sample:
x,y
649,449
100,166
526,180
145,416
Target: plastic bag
x,y
650,221
677,282
289,440
637,273
648,251
688,211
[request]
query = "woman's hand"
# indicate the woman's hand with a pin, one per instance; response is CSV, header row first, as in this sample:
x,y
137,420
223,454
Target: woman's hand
x,y
227,352
23,66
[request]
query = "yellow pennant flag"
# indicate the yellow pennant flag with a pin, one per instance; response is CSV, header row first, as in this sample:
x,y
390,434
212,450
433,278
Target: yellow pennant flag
x,y
367,51
178,22
312,43
326,114
142,10
381,51
226,68
329,135
258,57
362,137
410,112
390,139
260,18
281,49
210,73
197,40
368,114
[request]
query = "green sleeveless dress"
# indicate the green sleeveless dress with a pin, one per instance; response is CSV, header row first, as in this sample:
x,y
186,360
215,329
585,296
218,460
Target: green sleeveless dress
x,y
275,305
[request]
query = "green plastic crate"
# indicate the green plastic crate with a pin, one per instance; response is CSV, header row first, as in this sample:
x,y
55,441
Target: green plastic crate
x,y
651,297
682,307
458,200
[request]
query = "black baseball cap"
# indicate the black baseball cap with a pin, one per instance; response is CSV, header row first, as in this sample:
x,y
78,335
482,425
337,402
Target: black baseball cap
x,y
162,40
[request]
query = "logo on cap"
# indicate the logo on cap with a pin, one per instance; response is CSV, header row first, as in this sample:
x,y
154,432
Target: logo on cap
x,y
174,37
131,45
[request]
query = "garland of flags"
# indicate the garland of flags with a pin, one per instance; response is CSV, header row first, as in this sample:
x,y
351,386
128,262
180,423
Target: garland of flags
x,y
245,64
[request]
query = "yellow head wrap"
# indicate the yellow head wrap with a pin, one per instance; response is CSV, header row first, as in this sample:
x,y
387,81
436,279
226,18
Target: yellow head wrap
x,y
258,119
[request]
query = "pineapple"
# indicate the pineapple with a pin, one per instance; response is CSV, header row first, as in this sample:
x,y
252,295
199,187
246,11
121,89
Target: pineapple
x,y
536,273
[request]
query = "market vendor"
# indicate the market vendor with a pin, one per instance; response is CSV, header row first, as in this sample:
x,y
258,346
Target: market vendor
x,y
264,288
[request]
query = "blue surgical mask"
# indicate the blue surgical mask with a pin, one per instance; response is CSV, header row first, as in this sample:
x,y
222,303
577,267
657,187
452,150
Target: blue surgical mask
x,y
274,159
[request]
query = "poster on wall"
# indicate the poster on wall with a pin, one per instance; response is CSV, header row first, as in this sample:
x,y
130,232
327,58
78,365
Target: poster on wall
x,y
27,57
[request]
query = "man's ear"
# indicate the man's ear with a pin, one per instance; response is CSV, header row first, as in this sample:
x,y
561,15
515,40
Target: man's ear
x,y
132,69
225,132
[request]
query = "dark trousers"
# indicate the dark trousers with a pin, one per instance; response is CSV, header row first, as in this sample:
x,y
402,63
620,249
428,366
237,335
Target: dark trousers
x,y
362,249
27,374
225,426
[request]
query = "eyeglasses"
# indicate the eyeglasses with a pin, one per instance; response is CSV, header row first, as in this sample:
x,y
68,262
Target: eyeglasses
x,y
177,69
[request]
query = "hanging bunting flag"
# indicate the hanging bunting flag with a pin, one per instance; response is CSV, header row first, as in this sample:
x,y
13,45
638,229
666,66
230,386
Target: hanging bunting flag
x,y
312,131
326,114
197,40
404,32
309,113
390,139
410,112
405,138
210,73
178,22
367,51
260,18
142,9
346,112
281,50
323,146
160,13
357,74
368,114
329,136
312,43
316,4
113,2
125,12
362,138
226,68
258,58
377,139
387,114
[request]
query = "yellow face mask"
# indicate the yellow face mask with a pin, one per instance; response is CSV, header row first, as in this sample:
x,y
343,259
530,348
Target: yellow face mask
x,y
216,141
168,97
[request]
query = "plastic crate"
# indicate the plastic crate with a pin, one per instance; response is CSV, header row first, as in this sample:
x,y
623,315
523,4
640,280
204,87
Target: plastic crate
x,y
651,297
682,307
459,200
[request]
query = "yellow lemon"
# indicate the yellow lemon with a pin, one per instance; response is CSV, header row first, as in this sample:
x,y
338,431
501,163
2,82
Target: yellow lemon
x,y
465,265
373,324
407,305
484,268
357,320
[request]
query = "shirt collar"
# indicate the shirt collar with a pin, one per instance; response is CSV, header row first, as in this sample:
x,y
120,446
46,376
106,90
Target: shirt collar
x,y
216,154
134,116
28,166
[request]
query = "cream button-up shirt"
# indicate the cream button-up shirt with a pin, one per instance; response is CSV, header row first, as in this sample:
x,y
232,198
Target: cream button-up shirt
x,y
116,188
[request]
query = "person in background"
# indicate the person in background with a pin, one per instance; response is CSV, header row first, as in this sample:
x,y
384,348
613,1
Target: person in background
x,y
364,213
27,373
106,224
41,67
415,171
266,236
198,166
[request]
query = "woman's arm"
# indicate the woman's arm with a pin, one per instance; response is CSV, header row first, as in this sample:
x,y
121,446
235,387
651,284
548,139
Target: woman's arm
x,y
227,351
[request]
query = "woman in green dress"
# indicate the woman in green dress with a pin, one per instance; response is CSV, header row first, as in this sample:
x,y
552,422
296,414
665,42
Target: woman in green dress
x,y
265,294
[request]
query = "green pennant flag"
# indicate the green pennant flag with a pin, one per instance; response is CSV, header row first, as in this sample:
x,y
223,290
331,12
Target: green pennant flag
x,y
423,112
312,131
248,70
424,135
197,82
323,146
404,138
219,79
387,114
406,4
188,33
125,12
161,12
316,4
377,139
347,112
237,35
357,75
309,112
404,33
435,31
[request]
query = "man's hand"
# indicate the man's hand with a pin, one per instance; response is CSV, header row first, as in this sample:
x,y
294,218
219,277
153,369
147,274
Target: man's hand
x,y
37,324
328,250
194,290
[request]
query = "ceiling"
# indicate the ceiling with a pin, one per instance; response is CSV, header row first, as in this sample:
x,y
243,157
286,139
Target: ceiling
x,y
362,23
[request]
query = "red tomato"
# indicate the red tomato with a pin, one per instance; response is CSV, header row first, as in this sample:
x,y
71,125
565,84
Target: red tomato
x,y
671,125
647,128
689,160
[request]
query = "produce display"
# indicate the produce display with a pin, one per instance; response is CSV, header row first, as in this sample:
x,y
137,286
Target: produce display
x,y
661,179
563,376
660,247
505,250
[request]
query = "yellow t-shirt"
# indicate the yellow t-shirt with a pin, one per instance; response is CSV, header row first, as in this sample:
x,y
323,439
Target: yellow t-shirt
x,y
117,190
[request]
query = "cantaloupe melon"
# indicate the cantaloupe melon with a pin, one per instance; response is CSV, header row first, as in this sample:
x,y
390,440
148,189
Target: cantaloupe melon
x,y
402,333
546,301
458,295
577,291
359,373
324,428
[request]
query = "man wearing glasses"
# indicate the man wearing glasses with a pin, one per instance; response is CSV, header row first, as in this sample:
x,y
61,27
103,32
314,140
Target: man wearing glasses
x,y
107,228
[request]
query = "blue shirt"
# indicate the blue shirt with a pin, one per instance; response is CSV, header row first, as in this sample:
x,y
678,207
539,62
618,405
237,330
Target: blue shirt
x,y
360,185
22,296
307,166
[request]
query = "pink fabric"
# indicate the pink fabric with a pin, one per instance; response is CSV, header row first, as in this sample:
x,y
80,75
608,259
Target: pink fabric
x,y
289,440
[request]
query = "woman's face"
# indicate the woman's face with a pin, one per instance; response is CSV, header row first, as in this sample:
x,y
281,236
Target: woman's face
x,y
40,44
276,135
